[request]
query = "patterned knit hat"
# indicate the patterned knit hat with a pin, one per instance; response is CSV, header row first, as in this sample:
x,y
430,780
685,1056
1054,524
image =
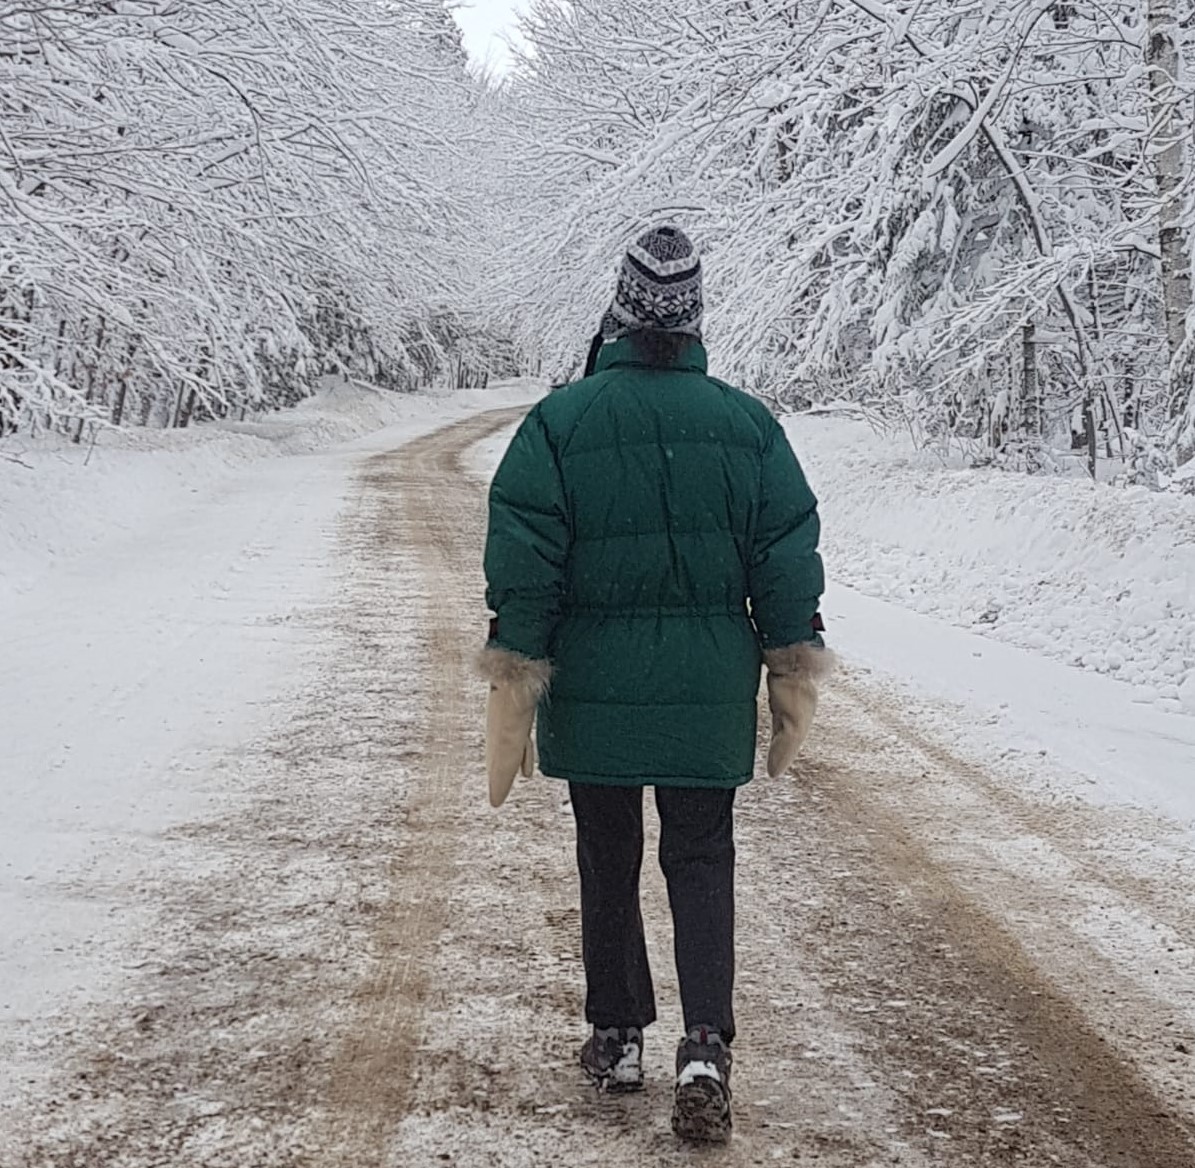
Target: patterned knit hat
x,y
659,287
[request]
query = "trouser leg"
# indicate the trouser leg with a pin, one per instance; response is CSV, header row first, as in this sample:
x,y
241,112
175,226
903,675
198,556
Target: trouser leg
x,y
697,857
609,857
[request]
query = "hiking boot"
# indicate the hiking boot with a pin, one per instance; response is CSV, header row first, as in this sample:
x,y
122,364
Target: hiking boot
x,y
613,1059
701,1110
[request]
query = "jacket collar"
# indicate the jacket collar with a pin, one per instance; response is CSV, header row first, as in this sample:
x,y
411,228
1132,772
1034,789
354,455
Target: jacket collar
x,y
620,354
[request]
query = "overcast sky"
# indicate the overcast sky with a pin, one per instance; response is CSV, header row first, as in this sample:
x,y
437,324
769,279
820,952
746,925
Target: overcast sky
x,y
483,22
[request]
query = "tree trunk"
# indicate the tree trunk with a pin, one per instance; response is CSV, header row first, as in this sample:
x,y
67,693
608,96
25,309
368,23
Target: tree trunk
x,y
122,391
1030,399
1090,434
1090,437
58,348
92,370
1165,77
188,409
187,404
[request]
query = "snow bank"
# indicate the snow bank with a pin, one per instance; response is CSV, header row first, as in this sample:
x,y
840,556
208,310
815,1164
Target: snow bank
x,y
1095,576
58,500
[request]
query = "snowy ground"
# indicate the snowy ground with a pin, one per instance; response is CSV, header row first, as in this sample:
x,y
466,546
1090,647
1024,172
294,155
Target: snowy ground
x,y
262,916
155,597
59,500
1095,576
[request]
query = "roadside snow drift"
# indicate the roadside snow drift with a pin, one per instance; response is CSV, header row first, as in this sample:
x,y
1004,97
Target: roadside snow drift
x,y
1096,576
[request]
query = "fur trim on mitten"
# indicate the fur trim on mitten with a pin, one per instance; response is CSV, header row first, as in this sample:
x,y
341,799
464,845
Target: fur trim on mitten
x,y
793,673
517,684
502,667
808,658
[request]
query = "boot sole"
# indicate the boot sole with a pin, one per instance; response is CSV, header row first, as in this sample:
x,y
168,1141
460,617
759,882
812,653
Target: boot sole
x,y
612,1086
701,1112
608,1082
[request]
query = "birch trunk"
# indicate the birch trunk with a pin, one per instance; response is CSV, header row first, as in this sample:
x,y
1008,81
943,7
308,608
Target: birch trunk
x,y
1165,71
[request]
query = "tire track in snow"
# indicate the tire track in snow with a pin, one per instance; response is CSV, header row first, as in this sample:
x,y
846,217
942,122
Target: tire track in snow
x,y
426,508
991,1039
223,1044
1060,882
1101,845
473,1061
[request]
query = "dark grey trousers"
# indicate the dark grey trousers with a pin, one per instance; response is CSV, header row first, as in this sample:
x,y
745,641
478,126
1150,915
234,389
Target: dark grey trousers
x,y
697,858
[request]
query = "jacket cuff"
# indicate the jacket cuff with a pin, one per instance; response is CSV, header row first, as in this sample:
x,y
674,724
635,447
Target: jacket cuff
x,y
500,666
809,659
523,629
781,635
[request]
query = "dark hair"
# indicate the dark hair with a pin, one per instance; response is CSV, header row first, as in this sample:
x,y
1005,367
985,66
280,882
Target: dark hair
x,y
658,349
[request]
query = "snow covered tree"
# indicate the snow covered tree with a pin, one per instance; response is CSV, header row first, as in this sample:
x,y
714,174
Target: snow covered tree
x,y
975,218
205,206
1173,171
890,196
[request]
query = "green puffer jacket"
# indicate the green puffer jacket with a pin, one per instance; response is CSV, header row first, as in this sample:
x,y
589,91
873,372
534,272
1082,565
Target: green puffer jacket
x,y
650,533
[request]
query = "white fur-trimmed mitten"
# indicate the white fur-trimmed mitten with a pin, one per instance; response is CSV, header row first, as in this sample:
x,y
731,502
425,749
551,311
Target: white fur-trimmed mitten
x,y
516,686
793,674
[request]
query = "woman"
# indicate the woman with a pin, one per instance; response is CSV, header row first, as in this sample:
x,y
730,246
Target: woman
x,y
651,540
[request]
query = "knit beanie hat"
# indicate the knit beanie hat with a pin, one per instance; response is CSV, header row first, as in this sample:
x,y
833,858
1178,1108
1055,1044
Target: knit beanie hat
x,y
659,287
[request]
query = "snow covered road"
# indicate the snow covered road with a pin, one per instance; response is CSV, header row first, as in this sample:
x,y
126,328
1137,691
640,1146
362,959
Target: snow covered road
x,y
117,675
331,951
